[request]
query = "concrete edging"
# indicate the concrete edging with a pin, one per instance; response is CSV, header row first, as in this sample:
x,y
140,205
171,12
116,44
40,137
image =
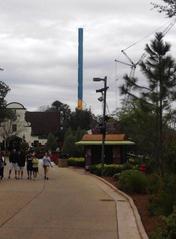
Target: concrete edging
x,y
137,217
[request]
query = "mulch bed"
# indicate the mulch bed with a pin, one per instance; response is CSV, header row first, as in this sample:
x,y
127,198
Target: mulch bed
x,y
142,203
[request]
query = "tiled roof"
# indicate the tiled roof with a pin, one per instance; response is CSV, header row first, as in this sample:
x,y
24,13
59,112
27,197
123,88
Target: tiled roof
x,y
43,123
109,137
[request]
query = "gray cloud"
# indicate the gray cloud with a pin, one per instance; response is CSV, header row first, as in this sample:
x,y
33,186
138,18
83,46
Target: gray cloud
x,y
38,42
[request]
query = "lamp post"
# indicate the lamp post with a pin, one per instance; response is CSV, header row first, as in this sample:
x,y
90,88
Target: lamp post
x,y
103,131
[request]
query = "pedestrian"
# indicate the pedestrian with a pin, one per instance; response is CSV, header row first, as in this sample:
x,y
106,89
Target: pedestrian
x,y
13,162
2,164
29,165
21,163
35,163
46,164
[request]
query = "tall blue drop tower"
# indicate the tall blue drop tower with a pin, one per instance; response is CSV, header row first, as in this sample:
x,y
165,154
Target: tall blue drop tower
x,y
80,68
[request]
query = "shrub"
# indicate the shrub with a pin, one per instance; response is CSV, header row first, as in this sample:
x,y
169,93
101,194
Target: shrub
x,y
109,169
133,181
164,200
155,183
77,162
116,176
168,230
96,169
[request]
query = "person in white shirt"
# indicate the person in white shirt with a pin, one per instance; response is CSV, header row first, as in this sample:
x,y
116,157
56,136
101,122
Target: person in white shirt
x,y
46,164
2,164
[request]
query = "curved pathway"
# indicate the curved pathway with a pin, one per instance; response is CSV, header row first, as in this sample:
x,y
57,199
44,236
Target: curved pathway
x,y
71,205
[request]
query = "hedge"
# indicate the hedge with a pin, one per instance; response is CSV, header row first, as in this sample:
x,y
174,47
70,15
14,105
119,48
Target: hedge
x,y
109,169
76,162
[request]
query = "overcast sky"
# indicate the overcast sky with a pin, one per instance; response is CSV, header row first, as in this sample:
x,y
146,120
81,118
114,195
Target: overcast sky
x,y
39,41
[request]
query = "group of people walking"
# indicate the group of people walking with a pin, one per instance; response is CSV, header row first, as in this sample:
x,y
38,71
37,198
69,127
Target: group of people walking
x,y
18,160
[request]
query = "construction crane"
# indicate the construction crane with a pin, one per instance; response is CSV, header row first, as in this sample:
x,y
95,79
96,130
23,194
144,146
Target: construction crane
x,y
165,31
131,63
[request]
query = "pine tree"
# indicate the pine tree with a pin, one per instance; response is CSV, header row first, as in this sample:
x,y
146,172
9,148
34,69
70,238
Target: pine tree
x,y
169,7
159,91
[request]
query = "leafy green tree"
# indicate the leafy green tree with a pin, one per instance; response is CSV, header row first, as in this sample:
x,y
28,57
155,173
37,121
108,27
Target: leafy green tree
x,y
157,93
69,144
64,115
52,142
83,119
138,125
71,137
169,7
4,89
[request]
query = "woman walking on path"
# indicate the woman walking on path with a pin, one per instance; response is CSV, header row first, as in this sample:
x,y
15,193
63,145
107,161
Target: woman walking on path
x,y
35,163
46,165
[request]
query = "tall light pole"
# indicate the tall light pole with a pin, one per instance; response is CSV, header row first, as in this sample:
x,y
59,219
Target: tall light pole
x,y
103,129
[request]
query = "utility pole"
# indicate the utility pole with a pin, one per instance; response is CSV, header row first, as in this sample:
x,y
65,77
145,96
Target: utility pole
x,y
103,127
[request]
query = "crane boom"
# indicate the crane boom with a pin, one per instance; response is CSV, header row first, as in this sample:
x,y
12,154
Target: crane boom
x,y
122,62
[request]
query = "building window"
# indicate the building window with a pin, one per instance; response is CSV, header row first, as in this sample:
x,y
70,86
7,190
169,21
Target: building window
x,y
14,127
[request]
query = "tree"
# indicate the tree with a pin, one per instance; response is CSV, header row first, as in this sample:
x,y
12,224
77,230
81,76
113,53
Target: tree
x,y
4,89
159,91
169,7
71,137
64,117
83,119
51,142
138,125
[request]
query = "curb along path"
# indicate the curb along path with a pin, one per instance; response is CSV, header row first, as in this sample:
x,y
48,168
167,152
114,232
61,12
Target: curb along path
x,y
128,219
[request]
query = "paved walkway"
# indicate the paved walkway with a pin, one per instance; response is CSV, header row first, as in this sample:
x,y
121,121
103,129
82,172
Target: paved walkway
x,y
72,204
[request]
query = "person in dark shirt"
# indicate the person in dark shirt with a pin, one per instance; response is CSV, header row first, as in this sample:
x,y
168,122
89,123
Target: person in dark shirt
x,y
21,163
13,162
29,165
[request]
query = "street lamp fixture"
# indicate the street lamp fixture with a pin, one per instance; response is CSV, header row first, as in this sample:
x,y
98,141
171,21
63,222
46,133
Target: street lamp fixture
x,y
100,98
103,127
98,79
102,90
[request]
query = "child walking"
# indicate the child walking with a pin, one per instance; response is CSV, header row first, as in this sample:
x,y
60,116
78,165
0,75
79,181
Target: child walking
x,y
35,163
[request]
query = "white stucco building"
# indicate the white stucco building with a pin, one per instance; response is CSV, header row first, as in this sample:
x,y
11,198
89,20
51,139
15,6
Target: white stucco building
x,y
31,126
